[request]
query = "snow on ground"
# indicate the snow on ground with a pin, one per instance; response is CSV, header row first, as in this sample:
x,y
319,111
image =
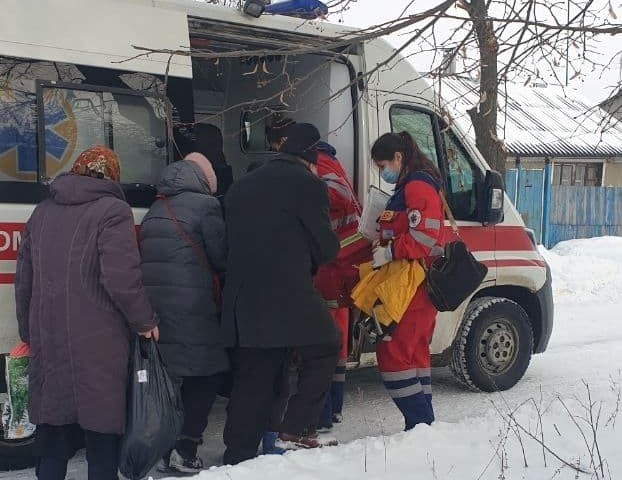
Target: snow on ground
x,y
473,448
471,435
540,429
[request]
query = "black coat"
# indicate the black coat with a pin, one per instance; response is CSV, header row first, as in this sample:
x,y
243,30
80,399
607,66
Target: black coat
x,y
178,283
279,233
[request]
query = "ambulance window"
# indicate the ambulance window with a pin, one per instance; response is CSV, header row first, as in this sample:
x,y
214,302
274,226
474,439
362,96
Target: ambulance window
x,y
253,130
419,125
18,124
461,179
133,125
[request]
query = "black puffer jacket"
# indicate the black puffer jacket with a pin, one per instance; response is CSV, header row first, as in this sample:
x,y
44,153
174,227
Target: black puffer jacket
x,y
178,283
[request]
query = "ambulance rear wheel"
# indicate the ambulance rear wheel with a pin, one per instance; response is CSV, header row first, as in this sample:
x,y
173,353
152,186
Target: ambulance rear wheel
x,y
17,455
494,345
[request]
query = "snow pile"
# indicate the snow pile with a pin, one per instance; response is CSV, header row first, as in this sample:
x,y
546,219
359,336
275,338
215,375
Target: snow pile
x,y
586,270
548,440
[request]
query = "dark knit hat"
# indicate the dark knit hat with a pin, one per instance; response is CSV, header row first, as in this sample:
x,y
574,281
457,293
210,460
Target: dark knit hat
x,y
302,140
276,131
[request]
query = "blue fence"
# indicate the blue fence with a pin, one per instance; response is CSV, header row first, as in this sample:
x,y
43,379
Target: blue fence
x,y
584,212
564,212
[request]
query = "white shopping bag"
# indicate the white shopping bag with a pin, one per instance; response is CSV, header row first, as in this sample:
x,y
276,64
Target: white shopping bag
x,y
375,204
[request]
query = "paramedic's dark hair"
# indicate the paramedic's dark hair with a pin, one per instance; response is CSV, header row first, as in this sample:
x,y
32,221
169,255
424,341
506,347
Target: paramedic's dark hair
x,y
414,159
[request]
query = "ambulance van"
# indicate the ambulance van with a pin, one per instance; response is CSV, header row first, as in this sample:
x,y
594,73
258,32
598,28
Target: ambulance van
x,y
137,76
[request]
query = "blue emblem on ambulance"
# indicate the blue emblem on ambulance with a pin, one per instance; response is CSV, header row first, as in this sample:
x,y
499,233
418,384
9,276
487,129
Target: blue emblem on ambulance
x,y
18,137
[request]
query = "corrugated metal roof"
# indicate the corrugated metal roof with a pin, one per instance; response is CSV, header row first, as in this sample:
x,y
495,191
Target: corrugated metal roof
x,y
540,121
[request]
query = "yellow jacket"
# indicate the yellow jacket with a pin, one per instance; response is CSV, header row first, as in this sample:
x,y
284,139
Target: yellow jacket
x,y
393,285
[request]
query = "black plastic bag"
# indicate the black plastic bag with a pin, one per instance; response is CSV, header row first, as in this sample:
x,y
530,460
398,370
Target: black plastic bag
x,y
154,412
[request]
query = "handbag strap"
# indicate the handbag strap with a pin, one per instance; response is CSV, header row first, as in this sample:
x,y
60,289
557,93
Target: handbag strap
x,y
450,215
197,249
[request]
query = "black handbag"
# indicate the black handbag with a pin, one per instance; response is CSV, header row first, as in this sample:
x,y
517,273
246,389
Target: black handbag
x,y
454,276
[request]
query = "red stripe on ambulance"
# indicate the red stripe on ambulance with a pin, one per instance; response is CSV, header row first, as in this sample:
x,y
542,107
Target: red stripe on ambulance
x,y
7,278
10,236
478,239
483,239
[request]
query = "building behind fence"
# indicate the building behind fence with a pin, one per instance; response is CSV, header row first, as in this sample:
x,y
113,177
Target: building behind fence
x,y
567,154
564,212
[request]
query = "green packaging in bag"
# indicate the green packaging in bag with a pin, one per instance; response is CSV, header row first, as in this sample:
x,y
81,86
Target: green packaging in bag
x,y
15,422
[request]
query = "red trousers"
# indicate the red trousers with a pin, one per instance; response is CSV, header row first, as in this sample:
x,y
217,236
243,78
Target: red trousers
x,y
410,344
341,316
404,362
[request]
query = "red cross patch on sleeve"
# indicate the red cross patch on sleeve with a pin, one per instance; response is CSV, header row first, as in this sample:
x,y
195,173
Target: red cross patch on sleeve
x,y
414,218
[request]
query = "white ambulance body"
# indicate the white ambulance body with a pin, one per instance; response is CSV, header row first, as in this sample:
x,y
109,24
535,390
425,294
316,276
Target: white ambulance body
x,y
70,78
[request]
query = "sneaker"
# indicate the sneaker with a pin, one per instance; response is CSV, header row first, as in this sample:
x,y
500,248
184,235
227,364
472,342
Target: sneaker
x,y
326,440
180,464
268,444
337,418
288,441
162,466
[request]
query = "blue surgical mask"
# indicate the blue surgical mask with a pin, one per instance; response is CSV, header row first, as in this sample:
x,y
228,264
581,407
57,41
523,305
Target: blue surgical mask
x,y
389,176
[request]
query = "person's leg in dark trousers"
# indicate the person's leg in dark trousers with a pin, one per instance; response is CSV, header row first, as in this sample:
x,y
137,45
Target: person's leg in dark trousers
x,y
252,400
50,468
102,455
198,395
317,366
54,446
282,393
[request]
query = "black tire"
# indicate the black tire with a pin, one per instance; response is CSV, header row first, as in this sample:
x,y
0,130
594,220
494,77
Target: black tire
x,y
17,454
494,345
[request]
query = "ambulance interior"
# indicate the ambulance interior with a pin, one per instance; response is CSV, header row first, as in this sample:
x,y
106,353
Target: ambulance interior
x,y
241,95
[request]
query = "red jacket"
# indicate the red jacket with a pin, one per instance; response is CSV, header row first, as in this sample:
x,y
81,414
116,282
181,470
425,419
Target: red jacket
x,y
413,219
333,280
344,207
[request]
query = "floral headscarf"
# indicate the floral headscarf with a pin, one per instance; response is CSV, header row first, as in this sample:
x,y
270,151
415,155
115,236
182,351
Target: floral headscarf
x,y
98,162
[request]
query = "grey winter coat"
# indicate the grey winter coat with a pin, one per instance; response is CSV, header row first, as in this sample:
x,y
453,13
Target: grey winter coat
x,y
179,284
79,297
279,234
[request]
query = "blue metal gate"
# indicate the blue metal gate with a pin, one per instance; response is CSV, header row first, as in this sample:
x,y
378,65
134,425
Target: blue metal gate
x,y
526,189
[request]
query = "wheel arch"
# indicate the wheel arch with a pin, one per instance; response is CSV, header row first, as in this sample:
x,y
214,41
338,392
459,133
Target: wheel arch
x,y
525,298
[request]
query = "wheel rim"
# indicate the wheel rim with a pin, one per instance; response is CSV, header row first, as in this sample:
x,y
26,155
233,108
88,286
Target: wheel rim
x,y
498,346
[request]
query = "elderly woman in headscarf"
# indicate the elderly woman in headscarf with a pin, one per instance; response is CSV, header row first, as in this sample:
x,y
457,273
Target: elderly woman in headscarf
x,y
182,242
80,300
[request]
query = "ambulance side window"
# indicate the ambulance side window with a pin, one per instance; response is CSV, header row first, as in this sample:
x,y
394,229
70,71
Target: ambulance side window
x,y
133,125
420,126
18,124
462,178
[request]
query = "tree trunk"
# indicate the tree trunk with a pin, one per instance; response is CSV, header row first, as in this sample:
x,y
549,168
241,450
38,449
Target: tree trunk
x,y
484,115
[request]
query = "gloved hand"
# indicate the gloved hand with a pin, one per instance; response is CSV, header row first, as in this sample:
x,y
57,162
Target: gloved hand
x,y
382,256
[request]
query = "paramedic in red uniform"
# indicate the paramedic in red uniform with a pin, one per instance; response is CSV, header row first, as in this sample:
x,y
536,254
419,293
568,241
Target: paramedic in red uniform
x,y
410,228
344,212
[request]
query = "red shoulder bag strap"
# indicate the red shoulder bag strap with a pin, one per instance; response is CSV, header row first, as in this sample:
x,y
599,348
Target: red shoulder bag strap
x,y
197,249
